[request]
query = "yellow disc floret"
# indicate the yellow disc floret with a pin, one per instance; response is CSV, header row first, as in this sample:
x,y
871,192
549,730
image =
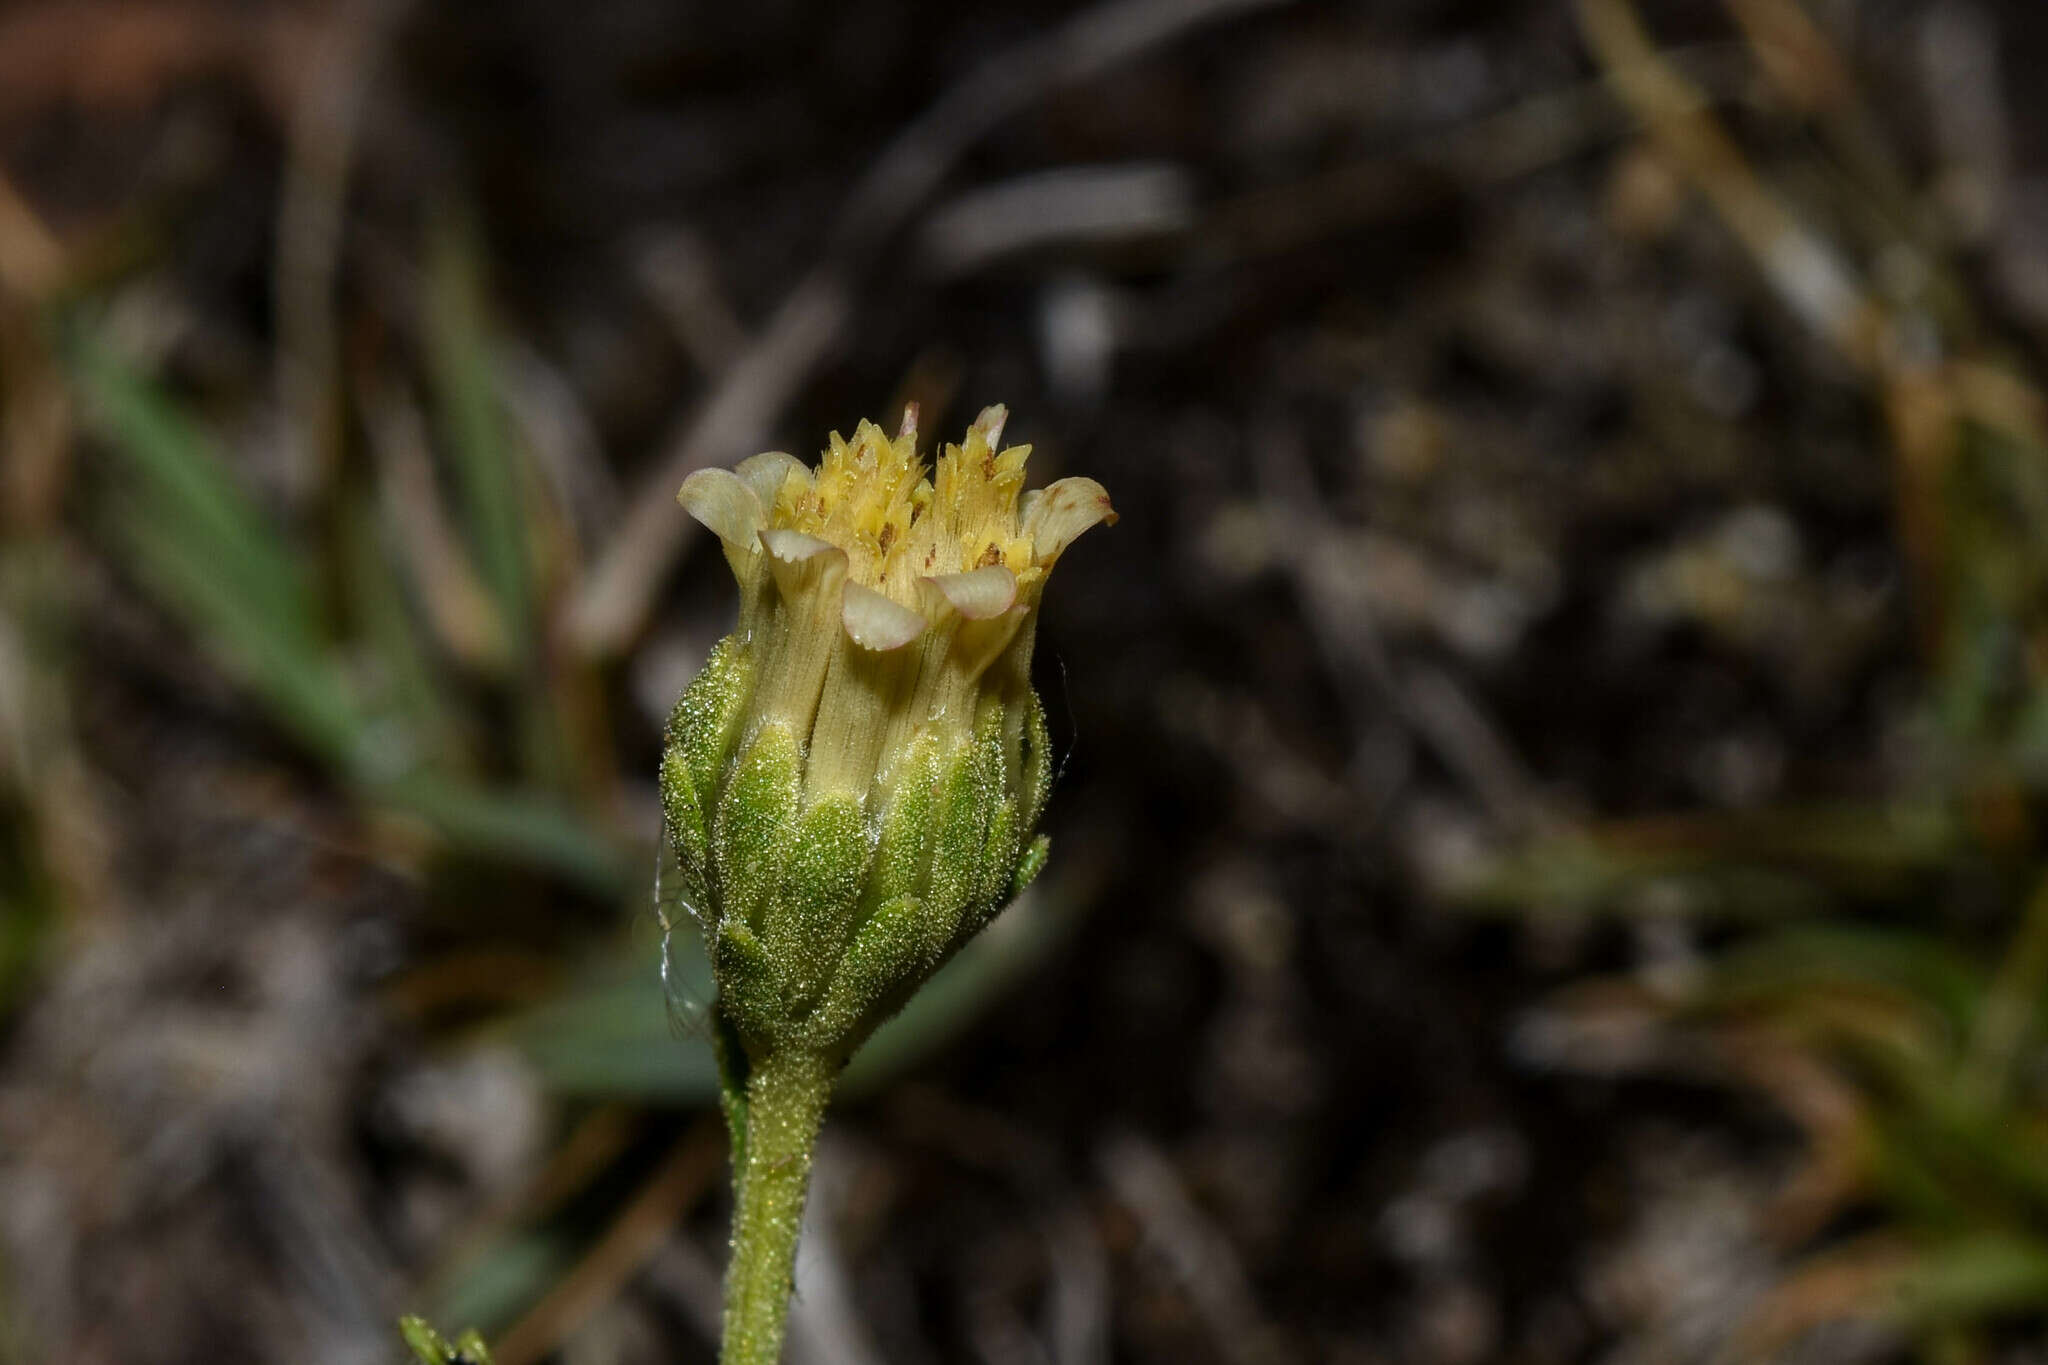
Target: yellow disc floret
x,y
870,496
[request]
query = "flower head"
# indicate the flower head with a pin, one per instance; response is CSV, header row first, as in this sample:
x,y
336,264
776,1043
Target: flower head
x,y
852,783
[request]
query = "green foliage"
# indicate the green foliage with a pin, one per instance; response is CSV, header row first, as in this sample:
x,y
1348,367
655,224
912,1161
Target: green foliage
x,y
197,540
1974,1278
430,1348
473,427
1861,949
28,910
176,516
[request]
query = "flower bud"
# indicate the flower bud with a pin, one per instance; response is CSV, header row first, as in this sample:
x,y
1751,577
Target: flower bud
x,y
852,784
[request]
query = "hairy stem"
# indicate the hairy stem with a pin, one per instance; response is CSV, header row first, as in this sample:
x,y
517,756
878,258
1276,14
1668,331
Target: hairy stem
x,y
786,1094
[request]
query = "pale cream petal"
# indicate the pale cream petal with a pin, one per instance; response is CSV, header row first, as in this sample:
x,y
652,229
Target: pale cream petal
x,y
874,622
794,546
1061,512
978,594
799,561
765,474
726,506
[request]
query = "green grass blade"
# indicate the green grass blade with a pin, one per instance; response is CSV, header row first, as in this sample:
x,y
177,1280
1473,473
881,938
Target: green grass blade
x,y
611,1033
492,1290
1800,958
494,485
517,827
410,688
175,472
195,539
1974,1278
239,630
473,427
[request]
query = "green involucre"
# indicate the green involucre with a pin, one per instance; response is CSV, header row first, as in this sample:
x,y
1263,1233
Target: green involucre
x,y
903,843
699,732
811,915
751,833
826,910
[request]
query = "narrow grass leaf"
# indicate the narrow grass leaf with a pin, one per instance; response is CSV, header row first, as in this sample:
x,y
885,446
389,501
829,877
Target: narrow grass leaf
x,y
518,827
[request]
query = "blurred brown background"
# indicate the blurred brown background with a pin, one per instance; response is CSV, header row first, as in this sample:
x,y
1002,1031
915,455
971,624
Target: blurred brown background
x,y
1548,865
